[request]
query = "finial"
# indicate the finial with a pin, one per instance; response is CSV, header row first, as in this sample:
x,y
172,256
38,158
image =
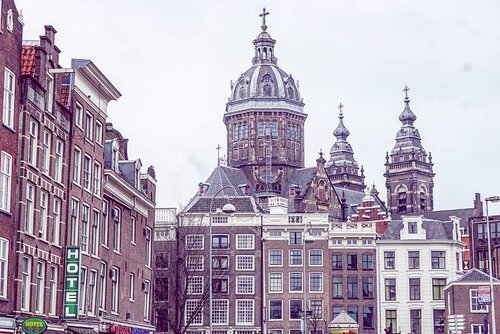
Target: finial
x,y
218,154
386,157
320,153
406,90
263,15
341,106
362,171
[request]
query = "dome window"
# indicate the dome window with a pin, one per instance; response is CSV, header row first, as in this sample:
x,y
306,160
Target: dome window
x,y
242,92
291,93
267,91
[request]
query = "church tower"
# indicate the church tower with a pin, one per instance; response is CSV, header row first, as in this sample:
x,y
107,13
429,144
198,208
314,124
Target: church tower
x,y
265,121
342,169
408,169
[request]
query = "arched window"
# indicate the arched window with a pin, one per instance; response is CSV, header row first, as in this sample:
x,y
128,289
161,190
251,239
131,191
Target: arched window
x,y
245,130
260,129
264,54
274,131
268,128
243,92
235,131
291,94
241,130
267,90
401,192
423,197
321,191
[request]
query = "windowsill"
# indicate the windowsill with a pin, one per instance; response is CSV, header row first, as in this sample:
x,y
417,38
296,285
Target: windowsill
x,y
105,246
117,252
131,300
133,243
115,313
4,299
6,212
8,127
77,183
89,141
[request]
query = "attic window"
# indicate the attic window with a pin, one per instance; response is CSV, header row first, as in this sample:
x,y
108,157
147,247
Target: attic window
x,y
412,227
267,91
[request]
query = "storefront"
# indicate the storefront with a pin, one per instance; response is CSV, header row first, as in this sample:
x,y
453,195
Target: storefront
x,y
7,325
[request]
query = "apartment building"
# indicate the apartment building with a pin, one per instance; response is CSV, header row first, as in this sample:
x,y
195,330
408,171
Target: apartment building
x,y
11,28
417,258
43,182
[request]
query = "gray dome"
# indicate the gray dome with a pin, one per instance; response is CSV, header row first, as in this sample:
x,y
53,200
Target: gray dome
x,y
265,81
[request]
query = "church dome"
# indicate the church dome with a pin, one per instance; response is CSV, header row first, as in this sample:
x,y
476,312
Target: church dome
x,y
264,79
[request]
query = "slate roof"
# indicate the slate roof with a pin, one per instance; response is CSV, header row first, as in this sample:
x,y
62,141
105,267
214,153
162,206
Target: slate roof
x,y
474,275
28,60
444,215
343,320
355,198
221,177
301,177
435,230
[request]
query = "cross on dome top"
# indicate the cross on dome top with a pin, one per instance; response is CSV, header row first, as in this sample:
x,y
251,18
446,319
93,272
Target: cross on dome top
x,y
263,15
406,90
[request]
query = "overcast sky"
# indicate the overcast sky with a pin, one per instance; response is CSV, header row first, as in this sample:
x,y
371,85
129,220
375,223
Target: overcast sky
x,y
173,62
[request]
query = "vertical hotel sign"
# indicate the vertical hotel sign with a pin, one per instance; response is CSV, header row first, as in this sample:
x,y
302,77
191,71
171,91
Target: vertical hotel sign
x,y
71,278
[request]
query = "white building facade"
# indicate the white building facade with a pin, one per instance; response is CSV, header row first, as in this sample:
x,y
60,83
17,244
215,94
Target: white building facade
x,y
416,259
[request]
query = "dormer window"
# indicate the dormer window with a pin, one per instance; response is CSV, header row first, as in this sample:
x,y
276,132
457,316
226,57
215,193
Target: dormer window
x,y
412,227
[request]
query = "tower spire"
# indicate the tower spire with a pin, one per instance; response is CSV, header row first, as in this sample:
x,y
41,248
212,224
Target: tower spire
x,y
264,44
342,168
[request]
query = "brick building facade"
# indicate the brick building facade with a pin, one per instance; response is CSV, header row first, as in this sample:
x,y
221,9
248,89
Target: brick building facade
x,y
11,27
43,182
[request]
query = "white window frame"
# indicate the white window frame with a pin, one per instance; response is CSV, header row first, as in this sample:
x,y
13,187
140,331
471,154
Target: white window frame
x,y
89,126
77,165
56,221
82,290
280,251
131,285
94,247
84,242
105,224
117,233
53,290
5,181
98,132
9,97
97,179
195,242
245,312
475,307
190,312
32,142
278,277
245,285
245,241
92,291
322,281
115,289
103,271
220,312
46,141
149,246
49,93
30,208
74,216
4,267
44,213
133,231
195,285
26,283
79,115
195,263
322,257
147,299
87,172
245,262
58,162
40,287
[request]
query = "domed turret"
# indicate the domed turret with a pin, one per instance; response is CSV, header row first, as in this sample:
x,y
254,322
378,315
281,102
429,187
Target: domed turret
x,y
265,119
342,169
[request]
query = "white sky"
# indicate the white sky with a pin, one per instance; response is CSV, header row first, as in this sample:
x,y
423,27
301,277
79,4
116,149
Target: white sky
x,y
173,61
